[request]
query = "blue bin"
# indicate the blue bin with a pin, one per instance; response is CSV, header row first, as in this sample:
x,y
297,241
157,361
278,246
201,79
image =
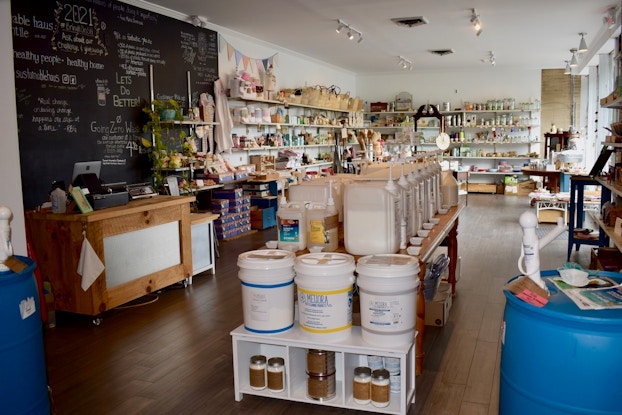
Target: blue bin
x,y
23,380
560,360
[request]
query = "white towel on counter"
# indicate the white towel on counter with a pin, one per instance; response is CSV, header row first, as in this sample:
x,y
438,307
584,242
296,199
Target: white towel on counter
x,y
89,266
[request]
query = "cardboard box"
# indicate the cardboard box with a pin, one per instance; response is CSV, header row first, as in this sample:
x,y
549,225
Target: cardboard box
x,y
262,218
511,190
482,188
526,187
437,310
606,259
549,215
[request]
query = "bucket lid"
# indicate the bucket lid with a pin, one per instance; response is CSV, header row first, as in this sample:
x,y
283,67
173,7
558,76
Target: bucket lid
x,y
323,264
266,259
388,265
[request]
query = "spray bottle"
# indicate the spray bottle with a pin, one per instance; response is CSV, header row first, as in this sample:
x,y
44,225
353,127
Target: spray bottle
x,y
531,245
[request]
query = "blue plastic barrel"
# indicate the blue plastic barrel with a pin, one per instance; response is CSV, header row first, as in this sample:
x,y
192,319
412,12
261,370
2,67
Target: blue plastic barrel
x,y
559,359
23,380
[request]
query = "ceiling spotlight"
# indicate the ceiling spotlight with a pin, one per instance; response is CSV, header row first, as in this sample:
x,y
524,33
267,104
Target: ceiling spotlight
x,y
340,26
573,61
610,18
582,45
489,59
405,63
351,32
477,24
568,69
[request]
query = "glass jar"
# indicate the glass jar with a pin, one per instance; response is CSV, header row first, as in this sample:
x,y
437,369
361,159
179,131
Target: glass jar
x,y
257,372
321,388
380,388
276,374
320,362
361,389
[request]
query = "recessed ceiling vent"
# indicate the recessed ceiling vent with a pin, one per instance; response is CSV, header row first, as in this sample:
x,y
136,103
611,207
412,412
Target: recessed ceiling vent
x,y
442,52
410,21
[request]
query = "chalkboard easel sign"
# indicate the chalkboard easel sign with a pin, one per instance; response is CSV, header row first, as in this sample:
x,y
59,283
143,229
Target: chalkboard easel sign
x,y
82,79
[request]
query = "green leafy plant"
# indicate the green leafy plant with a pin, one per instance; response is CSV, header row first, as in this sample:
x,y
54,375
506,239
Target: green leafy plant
x,y
165,141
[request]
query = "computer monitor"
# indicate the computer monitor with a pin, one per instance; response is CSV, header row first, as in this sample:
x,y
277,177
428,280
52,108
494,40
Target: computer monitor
x,y
86,167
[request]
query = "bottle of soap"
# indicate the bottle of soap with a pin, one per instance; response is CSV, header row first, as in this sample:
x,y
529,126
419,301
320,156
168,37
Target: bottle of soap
x,y
58,197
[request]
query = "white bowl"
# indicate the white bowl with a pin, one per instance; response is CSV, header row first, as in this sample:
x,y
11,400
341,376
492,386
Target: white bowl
x,y
413,250
428,226
435,221
443,211
416,240
272,244
423,233
574,277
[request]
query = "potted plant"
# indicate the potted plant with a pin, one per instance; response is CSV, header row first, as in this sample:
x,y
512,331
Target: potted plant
x,y
168,145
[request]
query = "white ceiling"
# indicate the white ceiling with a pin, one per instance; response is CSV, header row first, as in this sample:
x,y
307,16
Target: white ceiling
x,y
530,34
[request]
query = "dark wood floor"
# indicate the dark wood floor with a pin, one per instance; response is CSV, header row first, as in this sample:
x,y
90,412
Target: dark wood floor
x,y
173,355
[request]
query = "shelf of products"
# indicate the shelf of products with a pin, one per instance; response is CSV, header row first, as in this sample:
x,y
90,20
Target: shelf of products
x,y
309,131
293,345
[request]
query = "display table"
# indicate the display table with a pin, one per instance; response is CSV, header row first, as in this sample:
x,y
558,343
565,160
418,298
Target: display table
x,y
446,230
144,245
203,241
552,178
292,345
577,202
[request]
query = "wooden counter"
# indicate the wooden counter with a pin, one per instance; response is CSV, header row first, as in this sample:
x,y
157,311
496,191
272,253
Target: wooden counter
x,y
144,245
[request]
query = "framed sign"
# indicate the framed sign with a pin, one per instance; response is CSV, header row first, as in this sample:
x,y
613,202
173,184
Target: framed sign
x,y
81,200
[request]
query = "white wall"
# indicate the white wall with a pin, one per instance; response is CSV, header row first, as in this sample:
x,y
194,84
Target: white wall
x,y
452,86
292,70
11,183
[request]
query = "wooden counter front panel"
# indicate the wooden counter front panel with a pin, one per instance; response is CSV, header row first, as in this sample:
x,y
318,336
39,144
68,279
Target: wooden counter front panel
x,y
57,242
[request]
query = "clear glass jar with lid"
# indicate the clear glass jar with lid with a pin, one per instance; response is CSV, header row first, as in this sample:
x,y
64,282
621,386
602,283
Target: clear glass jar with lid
x,y
361,389
257,372
276,374
380,388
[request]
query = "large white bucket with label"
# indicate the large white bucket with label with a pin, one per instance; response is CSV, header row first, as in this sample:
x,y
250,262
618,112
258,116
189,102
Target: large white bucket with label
x,y
388,297
267,277
325,283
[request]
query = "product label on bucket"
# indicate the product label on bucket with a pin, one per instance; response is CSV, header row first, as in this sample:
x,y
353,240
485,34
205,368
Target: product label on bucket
x,y
388,312
325,311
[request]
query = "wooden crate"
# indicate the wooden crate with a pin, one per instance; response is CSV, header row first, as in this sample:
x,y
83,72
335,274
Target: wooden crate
x,y
482,188
262,162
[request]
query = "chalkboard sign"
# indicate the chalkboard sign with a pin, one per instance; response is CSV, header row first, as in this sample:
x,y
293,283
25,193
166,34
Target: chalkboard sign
x,y
82,78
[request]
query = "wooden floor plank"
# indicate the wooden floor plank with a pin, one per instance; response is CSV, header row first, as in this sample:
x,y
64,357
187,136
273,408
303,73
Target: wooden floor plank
x,y
173,355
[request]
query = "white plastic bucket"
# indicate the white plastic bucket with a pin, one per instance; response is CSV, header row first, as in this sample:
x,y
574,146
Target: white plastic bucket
x,y
267,277
325,283
388,297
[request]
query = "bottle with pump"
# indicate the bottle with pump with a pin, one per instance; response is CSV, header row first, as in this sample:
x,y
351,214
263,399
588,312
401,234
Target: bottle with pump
x,y
413,179
407,203
331,222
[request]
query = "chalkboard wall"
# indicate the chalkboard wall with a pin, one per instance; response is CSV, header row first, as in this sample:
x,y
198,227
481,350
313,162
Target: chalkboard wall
x,y
82,78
